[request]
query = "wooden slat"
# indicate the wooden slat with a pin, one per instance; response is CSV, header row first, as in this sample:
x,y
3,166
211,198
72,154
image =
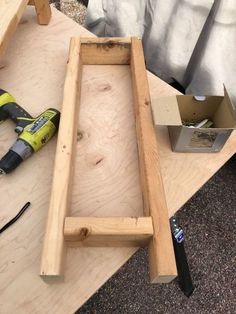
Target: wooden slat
x,y
43,11
105,50
10,15
108,231
54,248
161,254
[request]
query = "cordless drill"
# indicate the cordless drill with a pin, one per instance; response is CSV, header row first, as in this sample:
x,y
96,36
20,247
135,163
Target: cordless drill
x,y
33,133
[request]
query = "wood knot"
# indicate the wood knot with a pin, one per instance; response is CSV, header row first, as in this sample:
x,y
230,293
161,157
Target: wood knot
x,y
110,45
79,135
104,87
83,233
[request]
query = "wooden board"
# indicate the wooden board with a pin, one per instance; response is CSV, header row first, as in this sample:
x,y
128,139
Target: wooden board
x,y
161,254
60,200
108,231
10,15
43,10
93,52
107,154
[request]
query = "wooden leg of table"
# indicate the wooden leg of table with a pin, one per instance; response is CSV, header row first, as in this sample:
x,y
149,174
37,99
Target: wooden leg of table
x,y
43,10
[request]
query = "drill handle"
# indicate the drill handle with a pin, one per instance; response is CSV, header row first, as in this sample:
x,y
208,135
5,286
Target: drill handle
x,y
15,113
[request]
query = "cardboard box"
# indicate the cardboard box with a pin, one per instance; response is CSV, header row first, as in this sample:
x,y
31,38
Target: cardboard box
x,y
173,111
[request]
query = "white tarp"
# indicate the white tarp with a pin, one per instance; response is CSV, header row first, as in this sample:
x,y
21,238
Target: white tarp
x,y
192,41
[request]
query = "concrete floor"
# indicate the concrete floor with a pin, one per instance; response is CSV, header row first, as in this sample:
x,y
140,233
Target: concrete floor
x,y
209,223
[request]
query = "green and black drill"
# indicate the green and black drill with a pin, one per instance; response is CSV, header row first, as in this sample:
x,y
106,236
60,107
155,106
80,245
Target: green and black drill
x,y
34,133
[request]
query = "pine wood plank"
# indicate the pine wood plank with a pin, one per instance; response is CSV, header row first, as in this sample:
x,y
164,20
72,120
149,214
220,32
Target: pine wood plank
x,y
105,50
108,231
10,14
161,254
54,244
43,11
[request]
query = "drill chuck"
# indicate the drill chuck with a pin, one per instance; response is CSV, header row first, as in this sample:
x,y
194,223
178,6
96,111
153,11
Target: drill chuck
x,y
9,162
17,153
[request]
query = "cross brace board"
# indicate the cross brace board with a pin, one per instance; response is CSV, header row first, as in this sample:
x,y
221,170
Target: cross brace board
x,y
11,12
153,229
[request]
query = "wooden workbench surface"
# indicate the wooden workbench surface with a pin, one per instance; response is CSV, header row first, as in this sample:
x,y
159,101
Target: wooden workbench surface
x,y
106,181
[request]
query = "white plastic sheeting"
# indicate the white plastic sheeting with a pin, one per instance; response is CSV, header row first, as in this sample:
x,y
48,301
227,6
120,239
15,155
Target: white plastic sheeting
x,y
192,41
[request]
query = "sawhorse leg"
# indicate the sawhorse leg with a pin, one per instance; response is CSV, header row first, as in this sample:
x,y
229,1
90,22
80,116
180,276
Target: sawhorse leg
x,y
43,10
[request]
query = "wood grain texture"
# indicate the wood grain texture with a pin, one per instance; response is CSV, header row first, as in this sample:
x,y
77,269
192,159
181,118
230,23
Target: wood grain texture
x,y
43,11
105,51
161,252
106,180
108,231
54,245
10,15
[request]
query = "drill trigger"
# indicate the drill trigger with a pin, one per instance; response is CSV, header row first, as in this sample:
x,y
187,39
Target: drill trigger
x,y
21,123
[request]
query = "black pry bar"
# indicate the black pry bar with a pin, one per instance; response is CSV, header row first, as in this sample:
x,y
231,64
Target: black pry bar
x,y
11,222
185,280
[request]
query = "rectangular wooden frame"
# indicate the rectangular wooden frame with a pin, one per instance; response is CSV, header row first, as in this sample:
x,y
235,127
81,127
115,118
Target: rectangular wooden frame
x,y
154,228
